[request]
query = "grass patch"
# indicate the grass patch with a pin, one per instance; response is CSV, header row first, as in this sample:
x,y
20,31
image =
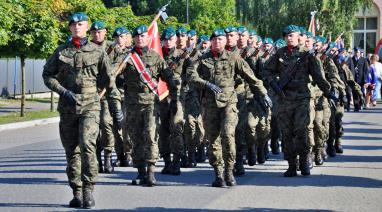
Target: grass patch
x,y
28,116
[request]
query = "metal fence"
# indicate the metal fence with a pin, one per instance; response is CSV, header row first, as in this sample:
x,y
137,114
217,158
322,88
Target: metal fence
x,y
10,76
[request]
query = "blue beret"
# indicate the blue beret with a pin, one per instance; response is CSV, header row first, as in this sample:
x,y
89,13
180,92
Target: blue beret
x,y
252,32
168,33
181,31
302,31
119,31
78,17
268,40
259,39
289,29
280,43
217,33
140,30
192,33
242,29
320,39
230,29
98,25
357,49
309,35
203,38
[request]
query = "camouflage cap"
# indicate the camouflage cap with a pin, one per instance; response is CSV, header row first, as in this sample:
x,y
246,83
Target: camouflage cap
x,y
302,31
192,33
98,25
252,32
168,33
242,29
203,38
181,31
280,43
309,35
119,31
78,17
217,33
139,30
268,41
320,39
230,29
290,29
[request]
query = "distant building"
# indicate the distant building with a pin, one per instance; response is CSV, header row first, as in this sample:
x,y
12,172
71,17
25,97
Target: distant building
x,y
368,30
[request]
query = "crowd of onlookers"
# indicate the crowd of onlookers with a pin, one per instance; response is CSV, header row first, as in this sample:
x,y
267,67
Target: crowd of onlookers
x,y
367,72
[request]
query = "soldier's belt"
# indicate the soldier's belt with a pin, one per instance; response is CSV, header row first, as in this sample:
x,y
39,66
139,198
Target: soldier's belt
x,y
85,90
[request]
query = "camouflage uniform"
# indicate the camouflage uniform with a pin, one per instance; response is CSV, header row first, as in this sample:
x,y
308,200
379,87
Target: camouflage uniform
x,y
123,145
171,128
141,110
221,112
294,110
80,71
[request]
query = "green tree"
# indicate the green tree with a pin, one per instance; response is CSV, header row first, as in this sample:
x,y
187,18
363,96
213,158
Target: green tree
x,y
35,33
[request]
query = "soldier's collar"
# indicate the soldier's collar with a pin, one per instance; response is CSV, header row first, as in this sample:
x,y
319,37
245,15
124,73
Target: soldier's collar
x,y
89,46
140,51
231,49
168,51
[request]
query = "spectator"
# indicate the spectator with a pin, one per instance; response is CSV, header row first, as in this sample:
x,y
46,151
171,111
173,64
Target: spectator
x,y
376,68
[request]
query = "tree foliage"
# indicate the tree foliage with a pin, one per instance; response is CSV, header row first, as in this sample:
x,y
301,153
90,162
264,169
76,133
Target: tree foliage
x,y
270,16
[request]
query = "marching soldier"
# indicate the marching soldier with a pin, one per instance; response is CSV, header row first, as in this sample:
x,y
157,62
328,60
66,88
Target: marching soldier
x,y
76,71
141,75
215,72
290,70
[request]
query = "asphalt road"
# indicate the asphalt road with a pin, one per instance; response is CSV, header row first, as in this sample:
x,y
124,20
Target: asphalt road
x,y
32,178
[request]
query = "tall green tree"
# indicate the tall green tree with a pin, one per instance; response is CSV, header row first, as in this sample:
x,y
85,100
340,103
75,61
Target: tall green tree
x,y
34,33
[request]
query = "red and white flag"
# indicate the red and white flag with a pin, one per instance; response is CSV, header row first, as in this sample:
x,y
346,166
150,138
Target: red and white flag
x,y
313,24
155,44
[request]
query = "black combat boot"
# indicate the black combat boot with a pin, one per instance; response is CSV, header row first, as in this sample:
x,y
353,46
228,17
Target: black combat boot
x,y
219,181
318,158
201,154
252,155
151,181
239,166
167,164
338,146
88,200
229,178
141,178
108,167
76,202
330,148
121,161
266,151
175,166
292,169
261,154
305,164
191,158
275,146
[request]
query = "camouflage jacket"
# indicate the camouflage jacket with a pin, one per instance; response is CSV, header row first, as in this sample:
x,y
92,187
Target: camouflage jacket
x,y
222,72
136,91
299,86
83,71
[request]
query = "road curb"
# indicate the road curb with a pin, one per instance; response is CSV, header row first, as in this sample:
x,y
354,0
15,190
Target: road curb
x,y
18,125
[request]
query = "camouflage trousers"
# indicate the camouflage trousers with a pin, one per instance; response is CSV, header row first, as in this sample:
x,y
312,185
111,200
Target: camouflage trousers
x,y
319,133
294,121
193,127
259,127
241,127
220,126
335,125
171,129
107,131
275,129
141,126
78,135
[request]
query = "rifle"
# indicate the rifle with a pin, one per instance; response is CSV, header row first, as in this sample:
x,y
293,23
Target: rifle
x,y
291,71
189,52
268,52
161,14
